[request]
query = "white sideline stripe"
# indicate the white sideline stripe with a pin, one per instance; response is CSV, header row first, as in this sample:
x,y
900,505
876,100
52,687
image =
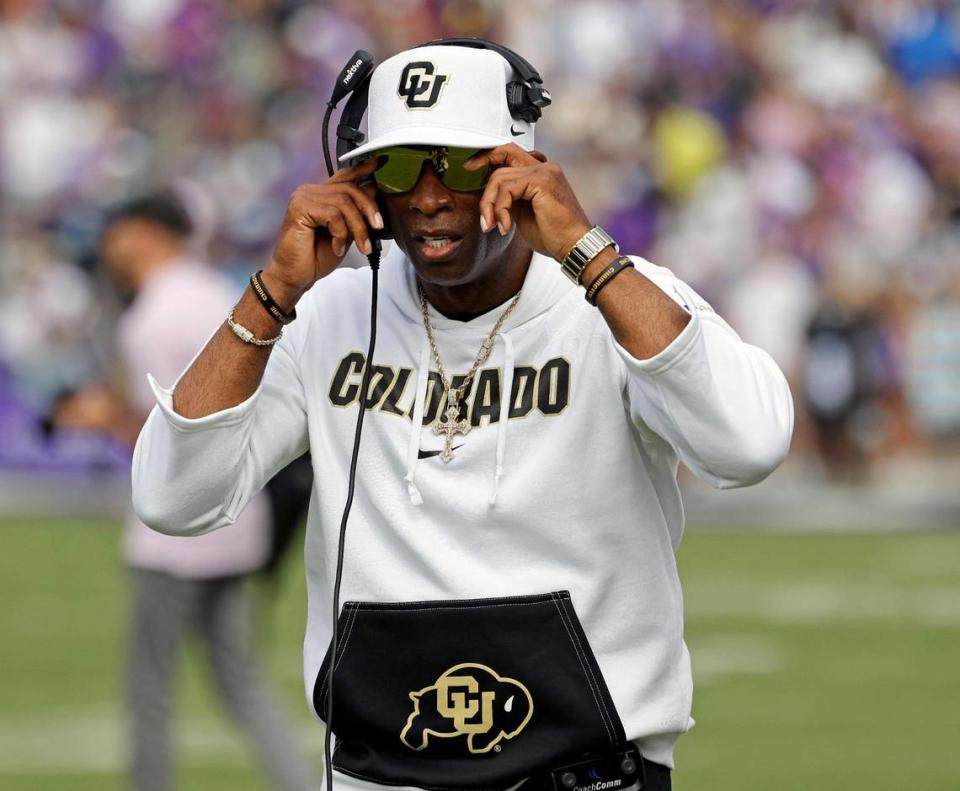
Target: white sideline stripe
x,y
716,658
823,602
94,740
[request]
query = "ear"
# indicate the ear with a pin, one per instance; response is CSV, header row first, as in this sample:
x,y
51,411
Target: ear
x,y
538,155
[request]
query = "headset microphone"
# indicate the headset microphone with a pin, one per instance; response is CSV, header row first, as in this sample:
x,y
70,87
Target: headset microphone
x,y
352,76
359,67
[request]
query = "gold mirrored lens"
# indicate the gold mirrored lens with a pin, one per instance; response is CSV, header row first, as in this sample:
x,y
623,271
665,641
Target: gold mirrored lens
x,y
400,168
456,178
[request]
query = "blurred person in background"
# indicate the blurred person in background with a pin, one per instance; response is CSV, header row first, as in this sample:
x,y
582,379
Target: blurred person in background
x,y
933,343
181,587
839,386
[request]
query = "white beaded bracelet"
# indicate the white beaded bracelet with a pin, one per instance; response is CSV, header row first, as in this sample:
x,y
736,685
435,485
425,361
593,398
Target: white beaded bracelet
x,y
248,337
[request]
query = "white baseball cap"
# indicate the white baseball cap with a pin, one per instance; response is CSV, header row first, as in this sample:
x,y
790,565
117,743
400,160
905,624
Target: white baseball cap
x,y
442,95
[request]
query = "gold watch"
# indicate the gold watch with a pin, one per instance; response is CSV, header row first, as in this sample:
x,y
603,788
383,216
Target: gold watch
x,y
584,251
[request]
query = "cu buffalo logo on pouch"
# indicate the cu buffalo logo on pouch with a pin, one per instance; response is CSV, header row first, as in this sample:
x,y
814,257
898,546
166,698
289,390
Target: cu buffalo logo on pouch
x,y
420,85
468,700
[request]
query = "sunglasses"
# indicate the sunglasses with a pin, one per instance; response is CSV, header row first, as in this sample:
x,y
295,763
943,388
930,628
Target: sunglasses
x,y
400,168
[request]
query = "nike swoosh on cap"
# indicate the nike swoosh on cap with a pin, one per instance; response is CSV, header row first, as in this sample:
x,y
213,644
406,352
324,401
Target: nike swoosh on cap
x,y
426,454
514,132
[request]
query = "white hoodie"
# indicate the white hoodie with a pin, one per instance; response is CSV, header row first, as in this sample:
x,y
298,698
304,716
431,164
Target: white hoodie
x,y
575,492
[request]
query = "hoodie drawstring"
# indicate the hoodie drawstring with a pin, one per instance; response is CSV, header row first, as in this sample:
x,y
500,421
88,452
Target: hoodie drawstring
x,y
413,446
506,396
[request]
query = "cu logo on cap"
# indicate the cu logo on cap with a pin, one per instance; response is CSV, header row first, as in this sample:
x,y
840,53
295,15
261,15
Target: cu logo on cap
x,y
420,85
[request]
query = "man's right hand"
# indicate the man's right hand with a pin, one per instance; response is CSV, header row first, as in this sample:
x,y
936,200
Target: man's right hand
x,y
320,223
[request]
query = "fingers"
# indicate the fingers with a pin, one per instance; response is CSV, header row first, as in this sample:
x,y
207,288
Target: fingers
x,y
503,188
364,201
355,172
510,155
357,227
507,195
345,210
489,205
344,223
331,219
509,162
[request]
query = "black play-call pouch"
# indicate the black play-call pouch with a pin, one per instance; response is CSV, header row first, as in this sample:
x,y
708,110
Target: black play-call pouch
x,y
464,694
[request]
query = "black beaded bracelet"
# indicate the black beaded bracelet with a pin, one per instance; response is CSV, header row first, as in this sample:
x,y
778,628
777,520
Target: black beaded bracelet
x,y
269,305
605,277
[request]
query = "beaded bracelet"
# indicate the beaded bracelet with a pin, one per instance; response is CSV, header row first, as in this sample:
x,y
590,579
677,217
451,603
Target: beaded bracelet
x,y
605,277
269,305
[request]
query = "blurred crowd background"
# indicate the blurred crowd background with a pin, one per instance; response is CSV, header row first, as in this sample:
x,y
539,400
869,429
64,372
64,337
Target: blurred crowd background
x,y
797,162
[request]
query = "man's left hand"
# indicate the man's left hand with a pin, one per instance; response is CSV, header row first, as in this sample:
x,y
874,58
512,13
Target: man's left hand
x,y
527,190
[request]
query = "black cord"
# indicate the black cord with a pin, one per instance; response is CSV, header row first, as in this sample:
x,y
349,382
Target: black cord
x,y
326,143
374,259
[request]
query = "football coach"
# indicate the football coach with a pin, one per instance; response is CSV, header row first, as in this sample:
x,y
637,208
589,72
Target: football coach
x,y
513,612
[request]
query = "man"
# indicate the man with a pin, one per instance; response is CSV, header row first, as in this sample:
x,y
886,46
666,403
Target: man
x,y
512,601
180,585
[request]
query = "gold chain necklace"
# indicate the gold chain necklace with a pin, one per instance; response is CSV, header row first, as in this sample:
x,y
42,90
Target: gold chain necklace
x,y
451,423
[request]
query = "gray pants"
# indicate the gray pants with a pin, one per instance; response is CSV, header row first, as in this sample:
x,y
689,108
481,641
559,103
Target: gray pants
x,y
166,610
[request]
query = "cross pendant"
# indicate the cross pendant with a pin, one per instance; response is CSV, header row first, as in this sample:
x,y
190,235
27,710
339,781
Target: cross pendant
x,y
450,425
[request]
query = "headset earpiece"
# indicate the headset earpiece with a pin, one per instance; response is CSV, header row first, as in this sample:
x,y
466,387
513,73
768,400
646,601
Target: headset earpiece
x,y
526,101
526,97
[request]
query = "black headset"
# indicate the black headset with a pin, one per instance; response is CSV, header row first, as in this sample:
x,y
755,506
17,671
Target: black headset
x,y
526,96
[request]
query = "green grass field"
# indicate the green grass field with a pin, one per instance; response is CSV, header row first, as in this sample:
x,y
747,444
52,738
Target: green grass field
x,y
823,662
